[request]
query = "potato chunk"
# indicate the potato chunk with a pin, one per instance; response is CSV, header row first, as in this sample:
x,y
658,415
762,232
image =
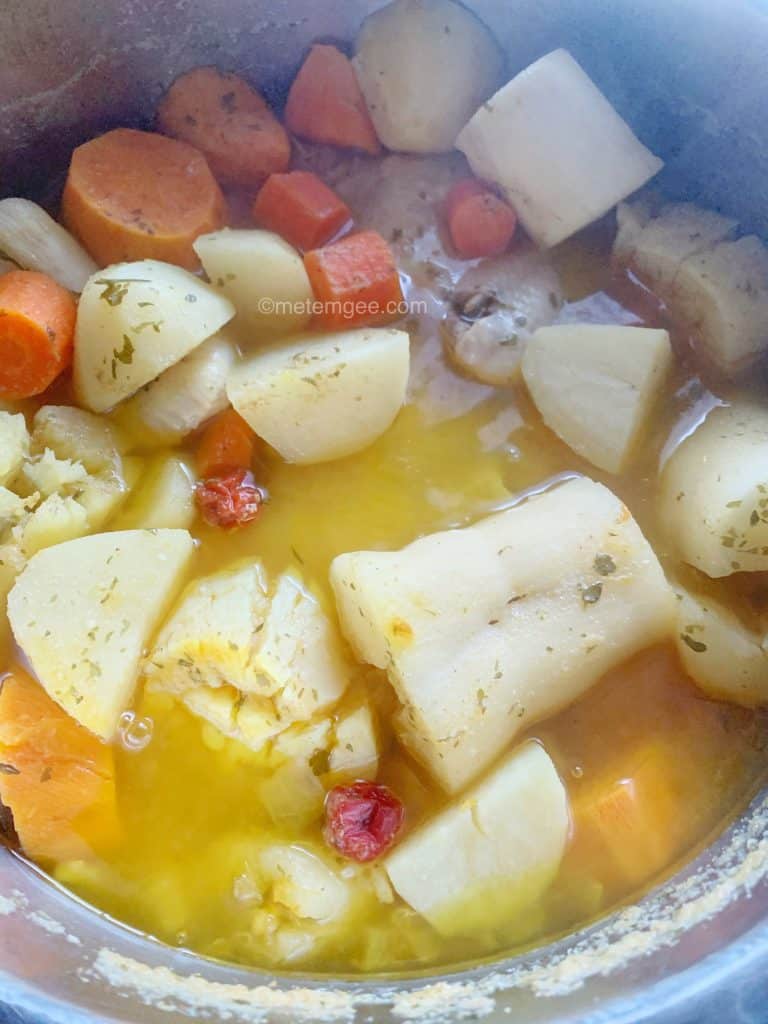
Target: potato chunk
x,y
489,856
714,492
84,611
557,147
163,500
597,385
487,629
324,396
425,66
724,658
249,657
14,446
134,321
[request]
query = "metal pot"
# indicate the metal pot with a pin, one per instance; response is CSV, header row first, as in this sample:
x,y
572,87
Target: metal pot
x,y
690,75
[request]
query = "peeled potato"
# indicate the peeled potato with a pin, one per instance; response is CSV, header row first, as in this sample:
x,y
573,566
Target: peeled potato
x,y
134,321
325,396
424,67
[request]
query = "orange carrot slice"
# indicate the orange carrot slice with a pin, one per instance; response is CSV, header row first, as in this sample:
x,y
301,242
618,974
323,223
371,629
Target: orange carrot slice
x,y
56,778
357,281
301,208
222,116
37,326
227,443
480,222
134,195
325,103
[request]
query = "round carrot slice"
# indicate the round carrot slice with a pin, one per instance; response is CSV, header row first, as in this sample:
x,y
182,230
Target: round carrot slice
x,y
37,326
134,195
230,122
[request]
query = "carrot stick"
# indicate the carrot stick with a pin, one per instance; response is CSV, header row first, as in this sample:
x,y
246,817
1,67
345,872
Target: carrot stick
x,y
325,103
56,778
37,326
480,222
226,443
228,121
135,195
357,281
301,208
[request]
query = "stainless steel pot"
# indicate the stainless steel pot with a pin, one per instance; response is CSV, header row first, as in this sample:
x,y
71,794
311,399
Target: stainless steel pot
x,y
692,78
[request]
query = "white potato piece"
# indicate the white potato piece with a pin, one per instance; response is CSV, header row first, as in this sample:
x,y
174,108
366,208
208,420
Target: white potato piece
x,y
14,446
270,648
355,752
558,149
724,658
79,436
597,385
263,276
324,396
136,320
489,856
654,247
487,629
293,796
304,884
191,392
498,305
163,500
83,612
425,66
34,241
714,492
47,474
56,520
12,509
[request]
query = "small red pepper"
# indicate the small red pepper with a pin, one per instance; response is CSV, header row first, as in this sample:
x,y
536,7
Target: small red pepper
x,y
230,499
362,820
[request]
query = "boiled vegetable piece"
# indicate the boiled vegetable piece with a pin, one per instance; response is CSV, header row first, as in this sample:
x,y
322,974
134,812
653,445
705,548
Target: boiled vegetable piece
x,y
355,752
83,612
56,520
34,241
654,246
133,195
498,304
324,396
58,780
424,67
490,855
264,278
163,500
78,435
714,492
304,884
136,320
596,386
293,796
227,120
721,296
487,629
724,658
480,223
271,650
300,208
557,147
227,443
189,393
14,446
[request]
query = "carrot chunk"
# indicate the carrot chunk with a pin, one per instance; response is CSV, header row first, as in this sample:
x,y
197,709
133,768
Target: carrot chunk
x,y
56,778
480,222
37,326
222,116
356,280
227,443
326,104
301,208
134,195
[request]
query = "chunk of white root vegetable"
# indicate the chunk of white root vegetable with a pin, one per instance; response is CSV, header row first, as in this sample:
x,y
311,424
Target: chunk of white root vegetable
x,y
425,66
134,321
163,500
263,276
84,611
189,393
596,386
14,446
304,884
487,629
324,396
34,241
490,855
355,752
714,492
724,658
558,149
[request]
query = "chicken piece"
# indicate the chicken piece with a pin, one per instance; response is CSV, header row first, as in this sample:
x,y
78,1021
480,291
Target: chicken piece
x,y
487,629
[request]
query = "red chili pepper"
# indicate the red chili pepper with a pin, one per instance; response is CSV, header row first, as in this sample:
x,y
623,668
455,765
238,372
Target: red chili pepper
x,y
362,820
230,499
